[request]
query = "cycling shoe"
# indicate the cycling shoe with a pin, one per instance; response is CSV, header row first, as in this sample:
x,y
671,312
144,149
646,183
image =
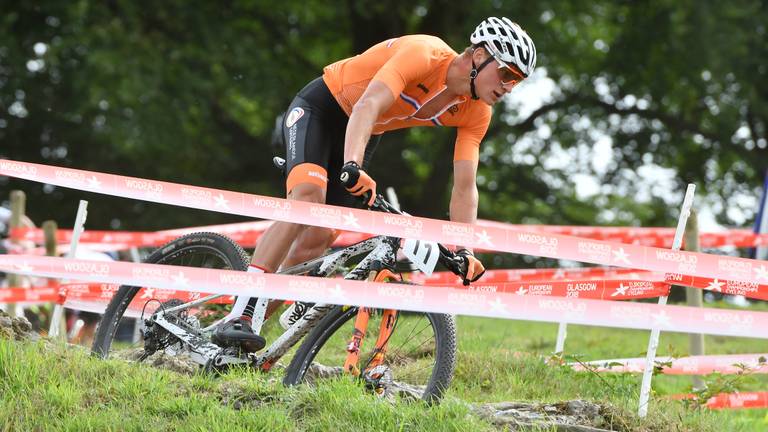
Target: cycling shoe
x,y
238,333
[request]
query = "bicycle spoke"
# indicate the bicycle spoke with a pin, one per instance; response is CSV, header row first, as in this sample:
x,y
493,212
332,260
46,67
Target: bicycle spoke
x,y
402,359
407,339
420,345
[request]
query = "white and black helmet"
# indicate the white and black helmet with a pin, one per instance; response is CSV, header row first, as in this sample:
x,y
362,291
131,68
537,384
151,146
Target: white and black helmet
x,y
506,42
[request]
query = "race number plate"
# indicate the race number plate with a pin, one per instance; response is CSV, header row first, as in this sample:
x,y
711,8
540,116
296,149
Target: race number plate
x,y
423,254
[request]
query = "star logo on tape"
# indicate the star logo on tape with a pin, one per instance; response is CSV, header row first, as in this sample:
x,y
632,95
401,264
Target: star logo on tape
x,y
484,238
148,293
498,306
24,267
351,220
194,296
180,279
662,319
220,201
94,182
521,291
761,273
621,290
337,292
559,274
715,285
621,256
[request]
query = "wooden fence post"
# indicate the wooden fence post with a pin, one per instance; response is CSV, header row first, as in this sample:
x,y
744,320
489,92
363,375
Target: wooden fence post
x,y
49,230
694,296
18,208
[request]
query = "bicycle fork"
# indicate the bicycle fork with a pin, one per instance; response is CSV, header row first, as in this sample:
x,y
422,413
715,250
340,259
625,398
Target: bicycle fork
x,y
361,325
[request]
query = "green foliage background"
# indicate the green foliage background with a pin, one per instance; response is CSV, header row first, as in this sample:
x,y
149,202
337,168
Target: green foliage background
x,y
188,91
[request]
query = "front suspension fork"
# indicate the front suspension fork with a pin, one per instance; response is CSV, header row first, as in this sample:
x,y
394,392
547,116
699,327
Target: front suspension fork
x,y
361,325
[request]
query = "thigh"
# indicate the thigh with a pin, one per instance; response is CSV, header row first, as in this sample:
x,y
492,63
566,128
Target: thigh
x,y
311,135
305,145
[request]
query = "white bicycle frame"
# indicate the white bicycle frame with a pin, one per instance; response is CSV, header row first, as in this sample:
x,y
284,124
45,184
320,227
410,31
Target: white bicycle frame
x,y
378,249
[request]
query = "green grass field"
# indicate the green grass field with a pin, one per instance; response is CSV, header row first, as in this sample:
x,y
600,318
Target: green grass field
x,y
45,387
489,370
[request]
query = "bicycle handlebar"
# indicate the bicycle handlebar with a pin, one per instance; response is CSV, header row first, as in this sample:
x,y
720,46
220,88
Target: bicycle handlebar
x,y
449,259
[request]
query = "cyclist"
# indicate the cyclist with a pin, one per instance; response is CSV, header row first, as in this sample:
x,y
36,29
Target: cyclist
x,y
334,123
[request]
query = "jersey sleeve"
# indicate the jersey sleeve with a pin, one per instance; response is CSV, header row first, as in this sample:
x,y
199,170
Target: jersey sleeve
x,y
411,62
469,135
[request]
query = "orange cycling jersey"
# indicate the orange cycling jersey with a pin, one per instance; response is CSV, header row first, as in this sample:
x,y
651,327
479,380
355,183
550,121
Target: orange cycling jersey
x,y
414,68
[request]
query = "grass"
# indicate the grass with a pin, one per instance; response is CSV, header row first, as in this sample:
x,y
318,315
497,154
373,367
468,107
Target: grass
x,y
492,368
50,387
59,388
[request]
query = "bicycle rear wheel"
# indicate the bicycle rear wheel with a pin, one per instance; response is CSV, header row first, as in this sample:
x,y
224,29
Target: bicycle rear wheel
x,y
420,356
204,250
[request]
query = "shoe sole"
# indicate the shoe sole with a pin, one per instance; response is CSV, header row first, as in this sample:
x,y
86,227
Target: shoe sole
x,y
247,345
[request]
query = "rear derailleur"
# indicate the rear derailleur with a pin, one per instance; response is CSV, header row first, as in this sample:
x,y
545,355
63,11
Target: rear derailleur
x,y
175,332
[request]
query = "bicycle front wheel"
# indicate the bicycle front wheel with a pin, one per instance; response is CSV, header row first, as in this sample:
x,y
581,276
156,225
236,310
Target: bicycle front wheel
x,y
419,360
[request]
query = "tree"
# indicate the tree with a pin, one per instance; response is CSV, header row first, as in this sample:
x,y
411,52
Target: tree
x,y
189,93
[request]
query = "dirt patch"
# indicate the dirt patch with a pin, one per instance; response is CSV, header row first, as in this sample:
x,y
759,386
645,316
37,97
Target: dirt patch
x,y
180,363
14,328
569,416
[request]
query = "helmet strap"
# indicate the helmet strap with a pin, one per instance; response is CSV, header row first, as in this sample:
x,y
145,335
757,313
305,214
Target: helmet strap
x,y
473,74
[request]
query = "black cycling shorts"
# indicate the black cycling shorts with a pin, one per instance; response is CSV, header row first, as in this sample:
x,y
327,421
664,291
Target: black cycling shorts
x,y
313,131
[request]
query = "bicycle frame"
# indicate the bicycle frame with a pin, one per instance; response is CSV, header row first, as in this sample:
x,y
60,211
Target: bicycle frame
x,y
381,252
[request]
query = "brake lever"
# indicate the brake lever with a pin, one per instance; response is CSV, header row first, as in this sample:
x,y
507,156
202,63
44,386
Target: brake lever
x,y
449,259
453,263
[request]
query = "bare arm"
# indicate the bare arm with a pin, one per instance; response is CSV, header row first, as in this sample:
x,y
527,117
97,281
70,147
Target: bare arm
x,y
375,101
464,196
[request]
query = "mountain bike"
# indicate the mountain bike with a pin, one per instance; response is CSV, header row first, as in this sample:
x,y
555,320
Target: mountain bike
x,y
407,353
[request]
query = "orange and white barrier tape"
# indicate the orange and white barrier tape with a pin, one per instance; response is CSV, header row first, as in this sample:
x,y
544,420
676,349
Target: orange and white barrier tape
x,y
29,295
248,233
486,237
614,289
540,274
508,278
732,400
693,365
751,289
604,289
646,236
396,296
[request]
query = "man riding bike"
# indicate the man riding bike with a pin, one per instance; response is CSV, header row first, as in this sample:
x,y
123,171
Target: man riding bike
x,y
334,124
